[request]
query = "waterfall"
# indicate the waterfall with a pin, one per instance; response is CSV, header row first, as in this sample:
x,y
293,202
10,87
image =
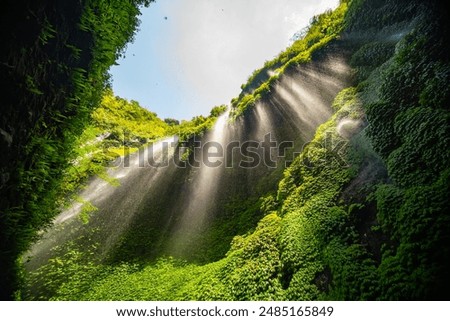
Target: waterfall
x,y
161,208
203,189
115,206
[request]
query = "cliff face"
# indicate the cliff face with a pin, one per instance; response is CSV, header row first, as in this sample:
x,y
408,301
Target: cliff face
x,y
383,244
356,210
35,88
53,69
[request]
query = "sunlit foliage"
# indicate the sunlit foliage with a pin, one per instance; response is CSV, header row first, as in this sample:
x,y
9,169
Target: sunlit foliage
x,y
360,216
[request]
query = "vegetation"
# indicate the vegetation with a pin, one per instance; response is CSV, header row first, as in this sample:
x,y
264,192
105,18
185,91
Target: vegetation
x,y
360,214
54,69
277,261
413,140
117,128
198,125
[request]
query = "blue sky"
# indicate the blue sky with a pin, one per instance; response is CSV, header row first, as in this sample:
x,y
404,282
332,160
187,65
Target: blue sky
x,y
192,55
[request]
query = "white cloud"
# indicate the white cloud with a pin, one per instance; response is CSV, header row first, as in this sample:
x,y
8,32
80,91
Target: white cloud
x,y
206,49
218,43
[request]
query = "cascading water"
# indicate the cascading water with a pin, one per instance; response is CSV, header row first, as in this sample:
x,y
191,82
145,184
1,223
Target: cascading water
x,y
114,206
202,191
163,206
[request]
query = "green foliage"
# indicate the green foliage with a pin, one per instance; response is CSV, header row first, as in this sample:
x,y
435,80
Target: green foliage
x,y
86,210
240,105
414,265
345,99
314,221
54,68
253,267
280,259
354,272
198,125
413,139
118,128
371,56
332,232
247,272
50,279
218,110
370,17
171,121
120,117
